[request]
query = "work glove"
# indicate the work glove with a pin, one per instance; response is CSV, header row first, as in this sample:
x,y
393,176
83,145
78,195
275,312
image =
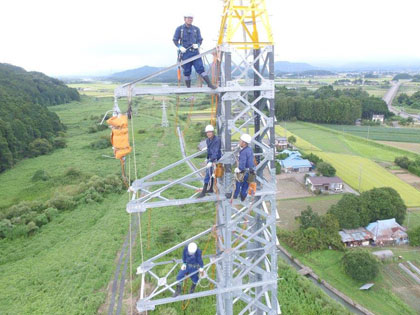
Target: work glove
x,y
209,164
183,267
182,49
195,46
237,170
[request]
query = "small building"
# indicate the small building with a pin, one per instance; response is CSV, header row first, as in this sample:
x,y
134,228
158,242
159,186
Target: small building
x,y
356,237
281,143
295,163
388,232
291,152
378,118
324,183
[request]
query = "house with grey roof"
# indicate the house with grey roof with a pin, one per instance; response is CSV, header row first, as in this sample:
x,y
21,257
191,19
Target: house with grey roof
x,y
388,232
356,237
324,183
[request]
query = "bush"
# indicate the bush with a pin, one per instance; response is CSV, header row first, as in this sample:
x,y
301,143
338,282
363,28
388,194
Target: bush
x,y
41,220
40,175
402,161
315,159
96,128
141,131
414,236
100,144
62,202
5,227
326,169
51,213
39,147
60,143
72,172
360,265
278,168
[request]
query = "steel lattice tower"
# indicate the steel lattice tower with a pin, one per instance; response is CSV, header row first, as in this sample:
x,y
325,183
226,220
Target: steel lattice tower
x,y
246,256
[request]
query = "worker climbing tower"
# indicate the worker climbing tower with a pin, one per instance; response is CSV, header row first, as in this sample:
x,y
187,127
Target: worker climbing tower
x,y
245,257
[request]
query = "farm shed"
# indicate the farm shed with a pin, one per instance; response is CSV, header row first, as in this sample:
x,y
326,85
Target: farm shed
x,y
378,118
356,237
388,232
323,183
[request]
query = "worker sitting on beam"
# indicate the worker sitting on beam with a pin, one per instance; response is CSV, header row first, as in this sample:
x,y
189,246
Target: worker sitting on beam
x,y
188,39
192,262
245,167
214,153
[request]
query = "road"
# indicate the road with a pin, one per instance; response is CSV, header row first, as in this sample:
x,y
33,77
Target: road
x,y
389,97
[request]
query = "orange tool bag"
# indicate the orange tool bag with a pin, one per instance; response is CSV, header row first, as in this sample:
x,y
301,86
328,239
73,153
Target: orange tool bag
x,y
119,136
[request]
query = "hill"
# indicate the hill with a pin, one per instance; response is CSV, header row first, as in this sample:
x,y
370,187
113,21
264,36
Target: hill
x,y
133,74
292,67
27,127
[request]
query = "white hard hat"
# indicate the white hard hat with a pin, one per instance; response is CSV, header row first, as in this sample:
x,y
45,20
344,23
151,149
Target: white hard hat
x,y
209,128
189,15
192,248
246,138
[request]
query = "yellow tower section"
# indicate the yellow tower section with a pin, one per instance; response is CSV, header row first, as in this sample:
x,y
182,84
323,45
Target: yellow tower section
x,y
245,24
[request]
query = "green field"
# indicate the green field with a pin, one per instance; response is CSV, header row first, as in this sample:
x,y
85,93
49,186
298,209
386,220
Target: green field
x,y
66,267
380,299
353,158
288,209
380,133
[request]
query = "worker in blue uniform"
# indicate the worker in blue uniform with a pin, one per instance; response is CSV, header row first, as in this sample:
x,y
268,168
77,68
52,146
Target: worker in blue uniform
x,y
214,153
192,262
187,39
245,167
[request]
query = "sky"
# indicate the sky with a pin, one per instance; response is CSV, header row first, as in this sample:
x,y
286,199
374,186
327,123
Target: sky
x,y
94,37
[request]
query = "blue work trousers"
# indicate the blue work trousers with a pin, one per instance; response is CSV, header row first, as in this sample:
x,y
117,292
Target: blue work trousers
x,y
209,173
198,63
242,187
188,271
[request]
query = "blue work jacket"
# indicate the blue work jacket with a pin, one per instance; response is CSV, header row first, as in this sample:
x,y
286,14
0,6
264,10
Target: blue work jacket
x,y
246,159
187,36
213,149
193,260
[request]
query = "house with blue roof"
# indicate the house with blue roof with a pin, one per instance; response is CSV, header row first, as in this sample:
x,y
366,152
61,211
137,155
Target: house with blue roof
x,y
295,163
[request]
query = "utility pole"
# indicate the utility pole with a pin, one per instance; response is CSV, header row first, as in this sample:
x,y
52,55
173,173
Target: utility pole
x,y
165,122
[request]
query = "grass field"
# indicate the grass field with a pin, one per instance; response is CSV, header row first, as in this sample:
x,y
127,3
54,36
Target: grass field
x,y
66,267
353,158
380,299
380,133
288,209
409,146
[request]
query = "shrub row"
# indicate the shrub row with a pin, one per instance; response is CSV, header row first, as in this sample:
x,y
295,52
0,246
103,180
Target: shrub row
x,y
25,218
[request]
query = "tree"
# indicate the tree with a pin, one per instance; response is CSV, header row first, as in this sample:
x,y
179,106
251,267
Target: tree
x,y
414,236
383,203
39,147
360,265
291,140
402,161
309,218
325,169
349,212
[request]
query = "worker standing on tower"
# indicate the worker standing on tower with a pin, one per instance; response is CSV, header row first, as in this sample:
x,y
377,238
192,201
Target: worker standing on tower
x,y
214,153
188,40
192,261
246,166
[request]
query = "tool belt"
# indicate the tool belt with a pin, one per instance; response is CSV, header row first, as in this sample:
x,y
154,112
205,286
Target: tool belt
x,y
252,177
196,266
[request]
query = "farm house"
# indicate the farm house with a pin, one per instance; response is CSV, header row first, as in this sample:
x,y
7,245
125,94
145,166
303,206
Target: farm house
x,y
295,163
325,184
388,232
356,237
281,143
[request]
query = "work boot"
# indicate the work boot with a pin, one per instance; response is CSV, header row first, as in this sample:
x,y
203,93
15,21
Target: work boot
x,y
188,83
178,290
203,192
192,288
228,195
207,80
243,197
